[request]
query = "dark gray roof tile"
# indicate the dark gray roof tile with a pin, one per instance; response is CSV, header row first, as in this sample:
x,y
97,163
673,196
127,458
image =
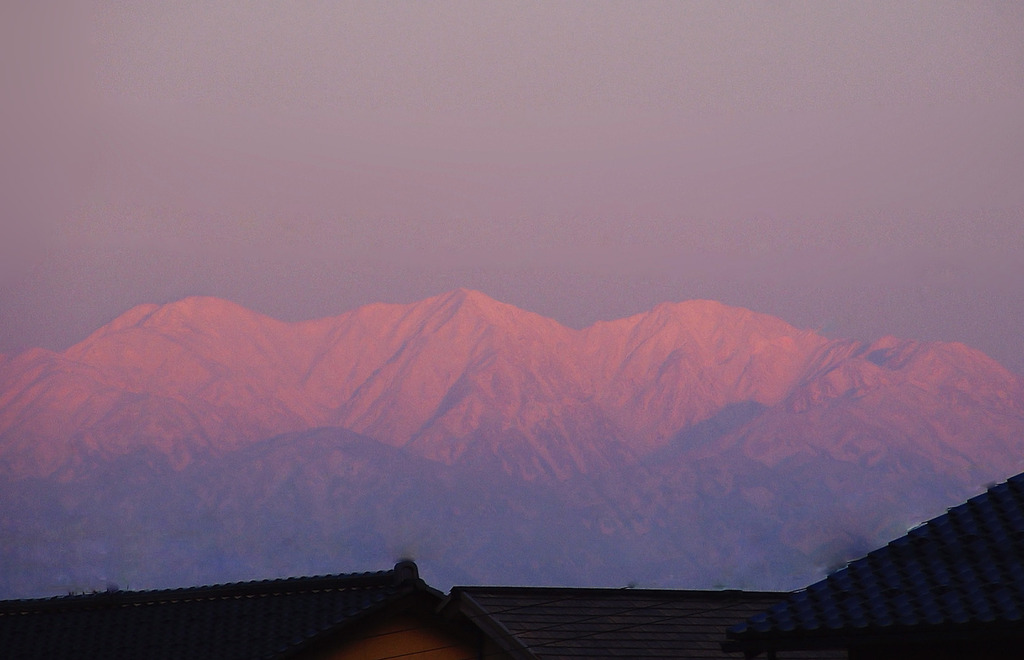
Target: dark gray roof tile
x,y
551,623
264,619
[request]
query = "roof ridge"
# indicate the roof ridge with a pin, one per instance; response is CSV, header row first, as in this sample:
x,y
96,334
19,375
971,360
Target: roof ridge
x,y
603,591
404,574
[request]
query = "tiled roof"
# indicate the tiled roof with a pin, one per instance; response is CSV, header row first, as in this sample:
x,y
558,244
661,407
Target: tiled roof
x,y
961,573
546,622
266,619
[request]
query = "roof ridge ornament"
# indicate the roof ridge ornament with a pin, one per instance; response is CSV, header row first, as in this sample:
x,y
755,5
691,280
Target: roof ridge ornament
x,y
406,571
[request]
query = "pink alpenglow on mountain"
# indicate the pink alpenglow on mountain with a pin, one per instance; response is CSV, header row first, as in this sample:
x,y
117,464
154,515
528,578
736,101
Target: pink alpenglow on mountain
x,y
718,445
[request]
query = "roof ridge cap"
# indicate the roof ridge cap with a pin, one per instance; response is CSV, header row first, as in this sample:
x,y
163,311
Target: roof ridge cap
x,y
404,575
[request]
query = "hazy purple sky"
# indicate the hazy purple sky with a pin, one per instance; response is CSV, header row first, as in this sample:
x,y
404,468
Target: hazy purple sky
x,y
856,167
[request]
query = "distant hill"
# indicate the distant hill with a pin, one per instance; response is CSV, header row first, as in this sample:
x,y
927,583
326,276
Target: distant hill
x,y
693,445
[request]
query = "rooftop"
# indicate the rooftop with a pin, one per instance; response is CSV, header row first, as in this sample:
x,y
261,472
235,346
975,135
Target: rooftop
x,y
264,619
958,574
550,622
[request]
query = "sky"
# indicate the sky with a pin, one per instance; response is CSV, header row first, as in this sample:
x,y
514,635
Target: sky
x,y
852,167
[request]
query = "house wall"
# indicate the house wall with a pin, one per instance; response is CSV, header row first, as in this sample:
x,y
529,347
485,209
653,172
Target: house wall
x,y
402,636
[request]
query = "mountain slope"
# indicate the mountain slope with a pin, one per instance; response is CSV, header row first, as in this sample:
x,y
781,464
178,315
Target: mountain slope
x,y
690,441
459,370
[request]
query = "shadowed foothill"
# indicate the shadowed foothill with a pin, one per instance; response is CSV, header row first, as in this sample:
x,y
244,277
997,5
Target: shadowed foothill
x,y
952,588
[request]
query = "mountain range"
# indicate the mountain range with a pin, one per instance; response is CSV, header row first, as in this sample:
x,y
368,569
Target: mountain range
x,y
694,445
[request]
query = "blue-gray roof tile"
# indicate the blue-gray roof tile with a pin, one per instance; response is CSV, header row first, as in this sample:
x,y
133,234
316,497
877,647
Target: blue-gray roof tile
x,y
963,568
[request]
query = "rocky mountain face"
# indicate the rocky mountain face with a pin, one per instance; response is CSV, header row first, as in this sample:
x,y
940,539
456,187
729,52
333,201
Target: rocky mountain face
x,y
691,446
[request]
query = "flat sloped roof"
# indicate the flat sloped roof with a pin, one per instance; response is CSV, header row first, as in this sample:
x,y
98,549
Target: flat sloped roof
x,y
555,622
